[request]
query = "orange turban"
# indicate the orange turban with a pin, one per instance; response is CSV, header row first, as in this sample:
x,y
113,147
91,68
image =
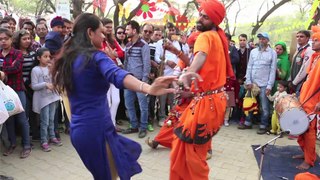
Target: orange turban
x,y
214,9
216,12
316,35
192,38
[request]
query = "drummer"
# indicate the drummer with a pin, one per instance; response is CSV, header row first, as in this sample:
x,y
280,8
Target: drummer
x,y
310,98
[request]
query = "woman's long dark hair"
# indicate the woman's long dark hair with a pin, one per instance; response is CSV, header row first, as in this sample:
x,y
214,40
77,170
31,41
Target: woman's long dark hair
x,y
125,41
78,44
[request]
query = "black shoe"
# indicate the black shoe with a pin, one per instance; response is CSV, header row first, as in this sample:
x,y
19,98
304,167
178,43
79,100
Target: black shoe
x,y
130,131
2,177
262,131
142,133
151,143
242,126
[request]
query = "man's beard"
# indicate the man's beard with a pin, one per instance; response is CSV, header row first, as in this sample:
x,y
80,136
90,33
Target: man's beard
x,y
129,35
201,27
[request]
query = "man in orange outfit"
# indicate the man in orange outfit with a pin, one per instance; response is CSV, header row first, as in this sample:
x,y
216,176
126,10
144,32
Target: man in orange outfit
x,y
310,88
165,135
205,114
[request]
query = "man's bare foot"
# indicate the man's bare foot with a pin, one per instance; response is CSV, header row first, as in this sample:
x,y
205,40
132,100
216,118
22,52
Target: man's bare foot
x,y
300,156
303,166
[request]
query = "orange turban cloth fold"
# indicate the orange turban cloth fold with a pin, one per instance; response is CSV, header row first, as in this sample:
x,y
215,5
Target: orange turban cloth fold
x,y
316,35
192,38
214,9
216,12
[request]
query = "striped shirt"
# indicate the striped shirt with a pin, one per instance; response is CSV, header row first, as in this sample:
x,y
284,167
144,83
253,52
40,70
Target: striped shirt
x,y
137,59
27,66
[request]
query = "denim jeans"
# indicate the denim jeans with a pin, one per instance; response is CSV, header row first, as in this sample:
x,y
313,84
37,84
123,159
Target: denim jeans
x,y
22,121
265,108
47,121
165,101
130,97
33,118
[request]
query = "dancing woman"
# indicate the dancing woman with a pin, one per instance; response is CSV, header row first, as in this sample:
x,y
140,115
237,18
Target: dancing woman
x,y
85,73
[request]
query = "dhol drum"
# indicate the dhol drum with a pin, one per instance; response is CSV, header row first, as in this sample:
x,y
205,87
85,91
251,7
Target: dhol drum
x,y
292,117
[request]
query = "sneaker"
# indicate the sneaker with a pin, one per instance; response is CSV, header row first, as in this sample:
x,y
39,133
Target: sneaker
x,y
45,147
242,127
9,150
150,128
130,131
25,153
226,123
56,142
261,131
142,133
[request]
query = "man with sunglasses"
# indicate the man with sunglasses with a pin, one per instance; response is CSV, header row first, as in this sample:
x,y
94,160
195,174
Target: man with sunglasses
x,y
137,62
147,32
300,61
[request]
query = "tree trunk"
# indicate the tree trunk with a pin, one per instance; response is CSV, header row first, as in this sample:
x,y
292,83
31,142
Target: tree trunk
x,y
260,21
316,18
77,7
51,5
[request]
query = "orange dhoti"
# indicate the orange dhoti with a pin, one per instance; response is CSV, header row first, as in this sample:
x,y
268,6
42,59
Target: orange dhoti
x,y
193,137
165,135
307,140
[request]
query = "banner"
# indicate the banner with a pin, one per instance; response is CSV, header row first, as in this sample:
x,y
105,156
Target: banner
x,y
63,8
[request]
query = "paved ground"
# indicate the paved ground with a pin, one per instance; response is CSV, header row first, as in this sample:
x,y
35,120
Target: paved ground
x,y
233,159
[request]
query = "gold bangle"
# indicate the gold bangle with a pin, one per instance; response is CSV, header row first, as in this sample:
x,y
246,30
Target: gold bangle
x,y
141,87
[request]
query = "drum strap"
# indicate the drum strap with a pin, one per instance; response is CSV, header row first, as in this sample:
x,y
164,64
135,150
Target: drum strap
x,y
311,96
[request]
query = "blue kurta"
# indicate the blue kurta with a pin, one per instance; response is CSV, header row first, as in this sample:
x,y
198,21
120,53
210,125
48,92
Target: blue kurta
x,y
91,125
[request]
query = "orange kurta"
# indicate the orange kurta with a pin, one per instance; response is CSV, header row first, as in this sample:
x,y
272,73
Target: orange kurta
x,y
307,140
203,116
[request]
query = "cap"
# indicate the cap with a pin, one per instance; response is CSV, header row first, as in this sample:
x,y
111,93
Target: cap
x,y
264,35
53,41
56,21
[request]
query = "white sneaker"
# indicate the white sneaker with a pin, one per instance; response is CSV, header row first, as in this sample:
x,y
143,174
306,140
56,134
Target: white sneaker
x,y
226,123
